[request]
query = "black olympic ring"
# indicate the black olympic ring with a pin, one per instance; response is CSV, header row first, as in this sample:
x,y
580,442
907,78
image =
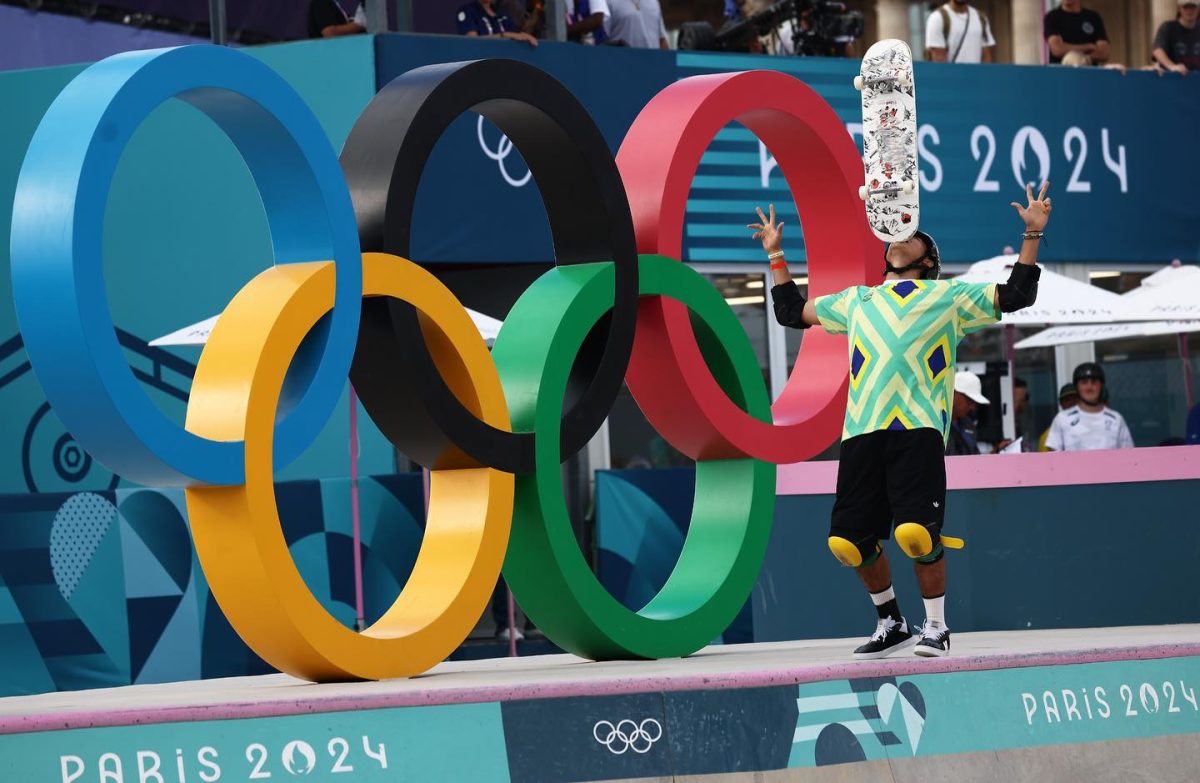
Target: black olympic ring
x,y
590,221
619,736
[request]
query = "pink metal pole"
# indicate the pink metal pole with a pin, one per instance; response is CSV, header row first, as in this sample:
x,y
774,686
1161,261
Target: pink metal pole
x,y
1010,355
359,618
1187,369
512,622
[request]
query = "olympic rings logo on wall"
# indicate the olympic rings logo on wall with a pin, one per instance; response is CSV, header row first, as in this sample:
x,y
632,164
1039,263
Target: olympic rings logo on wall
x,y
504,148
343,300
628,735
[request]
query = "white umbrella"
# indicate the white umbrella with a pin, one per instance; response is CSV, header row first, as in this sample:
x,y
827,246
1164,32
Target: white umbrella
x,y
1088,333
1060,299
197,333
1175,295
1172,273
1169,291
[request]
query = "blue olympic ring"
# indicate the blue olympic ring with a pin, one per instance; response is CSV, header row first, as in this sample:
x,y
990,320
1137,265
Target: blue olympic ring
x,y
58,219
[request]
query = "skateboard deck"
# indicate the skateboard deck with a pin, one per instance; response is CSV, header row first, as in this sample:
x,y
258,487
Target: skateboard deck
x,y
889,107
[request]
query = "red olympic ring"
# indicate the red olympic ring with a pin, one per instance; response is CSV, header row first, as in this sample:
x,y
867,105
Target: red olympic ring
x,y
658,159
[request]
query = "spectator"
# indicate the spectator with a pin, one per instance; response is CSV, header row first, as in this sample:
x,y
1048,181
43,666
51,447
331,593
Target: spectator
x,y
1091,424
1191,434
818,46
638,23
1020,406
958,33
481,18
532,12
586,20
968,394
1177,43
1073,28
328,19
1067,398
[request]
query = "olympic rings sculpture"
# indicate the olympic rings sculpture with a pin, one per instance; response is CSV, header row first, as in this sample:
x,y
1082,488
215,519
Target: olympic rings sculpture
x,y
343,300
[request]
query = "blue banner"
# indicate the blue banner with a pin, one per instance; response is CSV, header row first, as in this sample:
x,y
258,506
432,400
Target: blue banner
x,y
1107,142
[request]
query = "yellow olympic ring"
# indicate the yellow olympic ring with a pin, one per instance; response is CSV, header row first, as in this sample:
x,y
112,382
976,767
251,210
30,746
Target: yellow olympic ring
x,y
237,530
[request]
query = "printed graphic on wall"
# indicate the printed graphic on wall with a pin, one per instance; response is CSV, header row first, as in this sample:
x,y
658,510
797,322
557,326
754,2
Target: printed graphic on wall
x,y
99,589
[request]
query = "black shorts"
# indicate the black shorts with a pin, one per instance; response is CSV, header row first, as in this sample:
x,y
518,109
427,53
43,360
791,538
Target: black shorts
x,y
889,477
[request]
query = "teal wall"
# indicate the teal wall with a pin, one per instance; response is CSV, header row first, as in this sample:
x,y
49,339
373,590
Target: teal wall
x,y
185,230
102,589
1077,556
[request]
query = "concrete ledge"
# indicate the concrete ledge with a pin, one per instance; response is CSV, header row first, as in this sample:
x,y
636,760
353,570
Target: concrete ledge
x,y
563,676
1024,705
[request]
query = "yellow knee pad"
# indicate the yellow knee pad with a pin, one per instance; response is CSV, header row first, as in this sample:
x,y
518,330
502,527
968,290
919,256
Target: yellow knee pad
x,y
850,555
914,540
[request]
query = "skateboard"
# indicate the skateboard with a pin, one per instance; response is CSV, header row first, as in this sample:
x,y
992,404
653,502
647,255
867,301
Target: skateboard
x,y
889,108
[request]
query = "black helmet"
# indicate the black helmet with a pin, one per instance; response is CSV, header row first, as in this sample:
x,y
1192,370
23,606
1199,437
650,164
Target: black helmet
x,y
931,252
1088,370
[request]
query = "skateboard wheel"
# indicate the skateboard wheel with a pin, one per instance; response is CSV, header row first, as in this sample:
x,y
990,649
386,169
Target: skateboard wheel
x,y
858,83
862,192
908,187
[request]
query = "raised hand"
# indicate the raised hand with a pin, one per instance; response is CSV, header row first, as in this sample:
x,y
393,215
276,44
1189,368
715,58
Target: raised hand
x,y
770,232
1037,212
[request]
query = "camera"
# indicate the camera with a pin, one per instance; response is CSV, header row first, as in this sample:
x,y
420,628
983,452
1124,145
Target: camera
x,y
815,28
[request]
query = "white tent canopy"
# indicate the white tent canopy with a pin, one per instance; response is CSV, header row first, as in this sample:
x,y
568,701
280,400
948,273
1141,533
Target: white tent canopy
x,y
1088,333
1140,303
197,333
1060,300
1170,293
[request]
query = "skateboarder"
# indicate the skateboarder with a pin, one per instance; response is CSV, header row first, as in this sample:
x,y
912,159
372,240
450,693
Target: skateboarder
x,y
903,336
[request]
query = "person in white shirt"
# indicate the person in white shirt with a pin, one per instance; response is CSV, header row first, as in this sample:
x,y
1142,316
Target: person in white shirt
x,y
639,23
958,33
1091,424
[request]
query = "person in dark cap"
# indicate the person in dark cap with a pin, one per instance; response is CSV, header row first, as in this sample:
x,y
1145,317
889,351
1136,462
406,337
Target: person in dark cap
x,y
1067,398
1090,424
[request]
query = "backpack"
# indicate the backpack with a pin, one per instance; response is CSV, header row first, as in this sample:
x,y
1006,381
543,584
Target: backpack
x,y
945,14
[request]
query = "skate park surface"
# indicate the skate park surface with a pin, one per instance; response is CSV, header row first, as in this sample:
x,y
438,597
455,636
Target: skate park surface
x,y
1101,704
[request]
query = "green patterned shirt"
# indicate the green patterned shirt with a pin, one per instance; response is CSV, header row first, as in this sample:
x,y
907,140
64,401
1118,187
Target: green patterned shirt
x,y
904,336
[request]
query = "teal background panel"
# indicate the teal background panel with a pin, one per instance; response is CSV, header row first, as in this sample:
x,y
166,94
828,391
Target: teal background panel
x,y
101,589
843,721
1077,556
447,742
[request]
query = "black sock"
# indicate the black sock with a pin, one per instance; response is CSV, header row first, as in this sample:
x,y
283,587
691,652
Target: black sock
x,y
890,609
886,605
